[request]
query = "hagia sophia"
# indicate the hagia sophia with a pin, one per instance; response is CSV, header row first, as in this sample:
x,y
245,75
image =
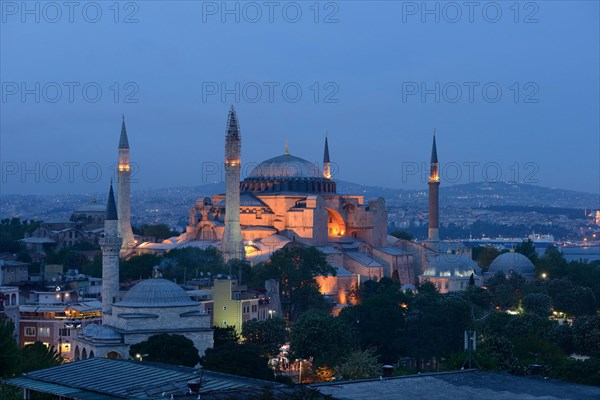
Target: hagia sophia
x,y
285,201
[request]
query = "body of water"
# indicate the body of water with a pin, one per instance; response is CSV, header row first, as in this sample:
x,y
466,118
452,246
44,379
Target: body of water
x,y
585,253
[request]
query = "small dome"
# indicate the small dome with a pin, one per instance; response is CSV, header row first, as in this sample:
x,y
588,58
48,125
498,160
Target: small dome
x,y
451,265
106,333
100,332
156,293
90,330
285,166
512,262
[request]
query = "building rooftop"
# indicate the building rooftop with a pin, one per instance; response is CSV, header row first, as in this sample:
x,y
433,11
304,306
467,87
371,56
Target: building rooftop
x,y
156,293
363,258
393,251
104,379
455,265
460,385
512,262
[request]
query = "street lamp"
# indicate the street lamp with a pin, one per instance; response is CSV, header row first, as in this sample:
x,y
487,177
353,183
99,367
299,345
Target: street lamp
x,y
140,357
271,314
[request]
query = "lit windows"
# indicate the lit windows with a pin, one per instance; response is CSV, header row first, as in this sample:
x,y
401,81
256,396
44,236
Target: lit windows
x,y
44,331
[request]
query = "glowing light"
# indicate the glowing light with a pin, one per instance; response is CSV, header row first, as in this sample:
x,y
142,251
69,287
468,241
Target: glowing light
x,y
124,167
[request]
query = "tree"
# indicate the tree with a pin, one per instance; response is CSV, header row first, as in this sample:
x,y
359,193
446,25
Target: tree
x,y
157,231
325,338
485,255
496,352
138,267
267,335
295,268
586,335
238,359
225,335
506,291
527,249
190,262
576,301
403,235
168,349
378,316
37,356
435,324
562,335
9,355
360,365
537,303
307,298
427,287
552,263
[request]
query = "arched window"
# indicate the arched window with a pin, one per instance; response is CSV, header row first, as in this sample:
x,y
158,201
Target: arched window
x,y
77,355
84,354
92,354
114,355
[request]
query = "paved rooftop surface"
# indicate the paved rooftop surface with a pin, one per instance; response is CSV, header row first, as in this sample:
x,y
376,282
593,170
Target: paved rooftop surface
x,y
462,385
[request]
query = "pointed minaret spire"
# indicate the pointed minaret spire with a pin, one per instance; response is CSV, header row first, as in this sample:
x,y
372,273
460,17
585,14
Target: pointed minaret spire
x,y
111,207
123,141
233,126
434,158
326,161
434,185
287,148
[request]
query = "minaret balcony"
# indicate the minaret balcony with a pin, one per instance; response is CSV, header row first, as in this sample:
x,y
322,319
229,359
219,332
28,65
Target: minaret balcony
x,y
110,241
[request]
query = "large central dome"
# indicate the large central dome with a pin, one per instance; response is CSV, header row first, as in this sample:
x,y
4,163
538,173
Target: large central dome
x,y
156,292
287,173
285,166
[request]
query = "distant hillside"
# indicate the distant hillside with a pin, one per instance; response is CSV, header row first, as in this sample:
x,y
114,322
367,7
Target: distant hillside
x,y
180,199
502,193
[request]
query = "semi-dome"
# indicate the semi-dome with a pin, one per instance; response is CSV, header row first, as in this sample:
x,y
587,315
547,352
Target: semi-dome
x,y
287,173
451,265
285,166
156,292
512,262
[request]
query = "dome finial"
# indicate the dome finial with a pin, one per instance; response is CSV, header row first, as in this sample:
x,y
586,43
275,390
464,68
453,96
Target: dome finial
x,y
287,149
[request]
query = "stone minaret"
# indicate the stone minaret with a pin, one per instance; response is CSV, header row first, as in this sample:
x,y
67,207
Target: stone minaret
x,y
232,243
434,185
124,192
110,243
326,162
